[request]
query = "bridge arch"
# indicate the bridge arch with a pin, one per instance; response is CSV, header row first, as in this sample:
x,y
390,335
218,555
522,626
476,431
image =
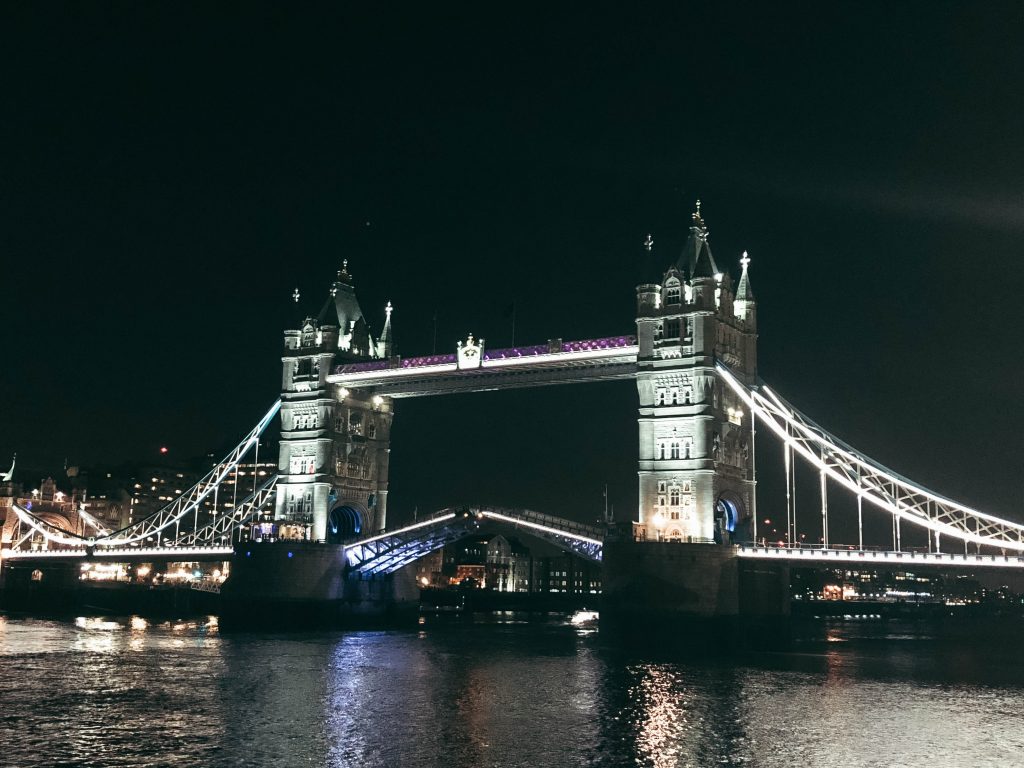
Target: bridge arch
x,y
346,521
732,519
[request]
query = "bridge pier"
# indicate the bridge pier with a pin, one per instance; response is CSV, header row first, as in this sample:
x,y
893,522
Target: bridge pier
x,y
285,584
663,582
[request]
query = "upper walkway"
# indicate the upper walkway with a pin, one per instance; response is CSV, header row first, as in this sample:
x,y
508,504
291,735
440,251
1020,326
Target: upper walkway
x,y
556,362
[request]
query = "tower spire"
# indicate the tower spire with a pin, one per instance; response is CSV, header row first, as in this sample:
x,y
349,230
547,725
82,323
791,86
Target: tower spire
x,y
744,306
696,258
386,342
343,275
743,291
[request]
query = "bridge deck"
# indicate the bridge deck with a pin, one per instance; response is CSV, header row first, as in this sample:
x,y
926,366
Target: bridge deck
x,y
147,554
852,557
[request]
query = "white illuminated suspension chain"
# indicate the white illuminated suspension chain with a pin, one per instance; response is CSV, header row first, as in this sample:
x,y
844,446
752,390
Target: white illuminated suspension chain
x,y
224,526
162,518
92,522
191,499
50,532
869,479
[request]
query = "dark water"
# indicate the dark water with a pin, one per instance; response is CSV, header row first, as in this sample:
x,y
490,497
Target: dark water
x,y
500,692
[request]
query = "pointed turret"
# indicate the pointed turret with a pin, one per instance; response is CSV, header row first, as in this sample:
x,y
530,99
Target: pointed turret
x,y
385,343
696,257
744,304
342,310
744,291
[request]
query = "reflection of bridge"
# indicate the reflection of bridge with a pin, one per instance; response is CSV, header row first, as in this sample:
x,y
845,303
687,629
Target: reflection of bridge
x,y
701,407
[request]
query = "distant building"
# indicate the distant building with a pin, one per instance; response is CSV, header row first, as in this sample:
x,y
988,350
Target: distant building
x,y
490,561
428,569
64,508
568,573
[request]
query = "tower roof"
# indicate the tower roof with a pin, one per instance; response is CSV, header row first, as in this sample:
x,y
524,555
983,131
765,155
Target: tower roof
x,y
696,257
343,298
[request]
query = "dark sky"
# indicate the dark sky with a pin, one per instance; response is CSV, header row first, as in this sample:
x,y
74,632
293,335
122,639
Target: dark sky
x,y
170,172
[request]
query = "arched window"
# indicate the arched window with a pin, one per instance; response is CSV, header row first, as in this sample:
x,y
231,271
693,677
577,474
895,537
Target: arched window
x,y
672,293
674,449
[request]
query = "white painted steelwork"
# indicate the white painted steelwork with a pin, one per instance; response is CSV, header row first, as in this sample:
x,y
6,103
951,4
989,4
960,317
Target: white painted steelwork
x,y
386,553
175,553
194,496
870,480
853,557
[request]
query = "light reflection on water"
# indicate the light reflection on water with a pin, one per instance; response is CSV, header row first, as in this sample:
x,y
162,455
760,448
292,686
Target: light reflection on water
x,y
507,692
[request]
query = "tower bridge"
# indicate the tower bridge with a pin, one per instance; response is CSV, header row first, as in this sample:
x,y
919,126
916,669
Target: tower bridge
x,y
701,403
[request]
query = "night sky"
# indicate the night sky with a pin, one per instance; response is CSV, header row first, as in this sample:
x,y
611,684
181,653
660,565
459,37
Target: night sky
x,y
169,173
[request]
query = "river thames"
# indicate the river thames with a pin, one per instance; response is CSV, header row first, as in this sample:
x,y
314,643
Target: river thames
x,y
499,690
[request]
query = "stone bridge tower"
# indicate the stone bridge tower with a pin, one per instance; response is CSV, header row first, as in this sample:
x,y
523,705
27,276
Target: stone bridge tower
x,y
696,442
335,444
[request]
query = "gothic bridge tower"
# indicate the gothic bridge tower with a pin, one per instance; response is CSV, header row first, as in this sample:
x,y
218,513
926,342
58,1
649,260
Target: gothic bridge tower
x,y
696,442
335,444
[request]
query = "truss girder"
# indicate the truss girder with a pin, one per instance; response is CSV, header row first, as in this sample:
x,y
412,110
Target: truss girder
x,y
386,553
52,533
223,528
194,496
151,526
869,479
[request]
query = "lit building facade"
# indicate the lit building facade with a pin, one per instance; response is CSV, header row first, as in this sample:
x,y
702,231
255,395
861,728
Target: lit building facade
x,y
696,462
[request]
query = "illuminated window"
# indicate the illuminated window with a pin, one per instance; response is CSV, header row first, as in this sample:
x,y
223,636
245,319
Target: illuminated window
x,y
302,465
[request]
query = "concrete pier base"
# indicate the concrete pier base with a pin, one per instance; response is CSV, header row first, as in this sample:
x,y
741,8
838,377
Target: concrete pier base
x,y
288,584
665,581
